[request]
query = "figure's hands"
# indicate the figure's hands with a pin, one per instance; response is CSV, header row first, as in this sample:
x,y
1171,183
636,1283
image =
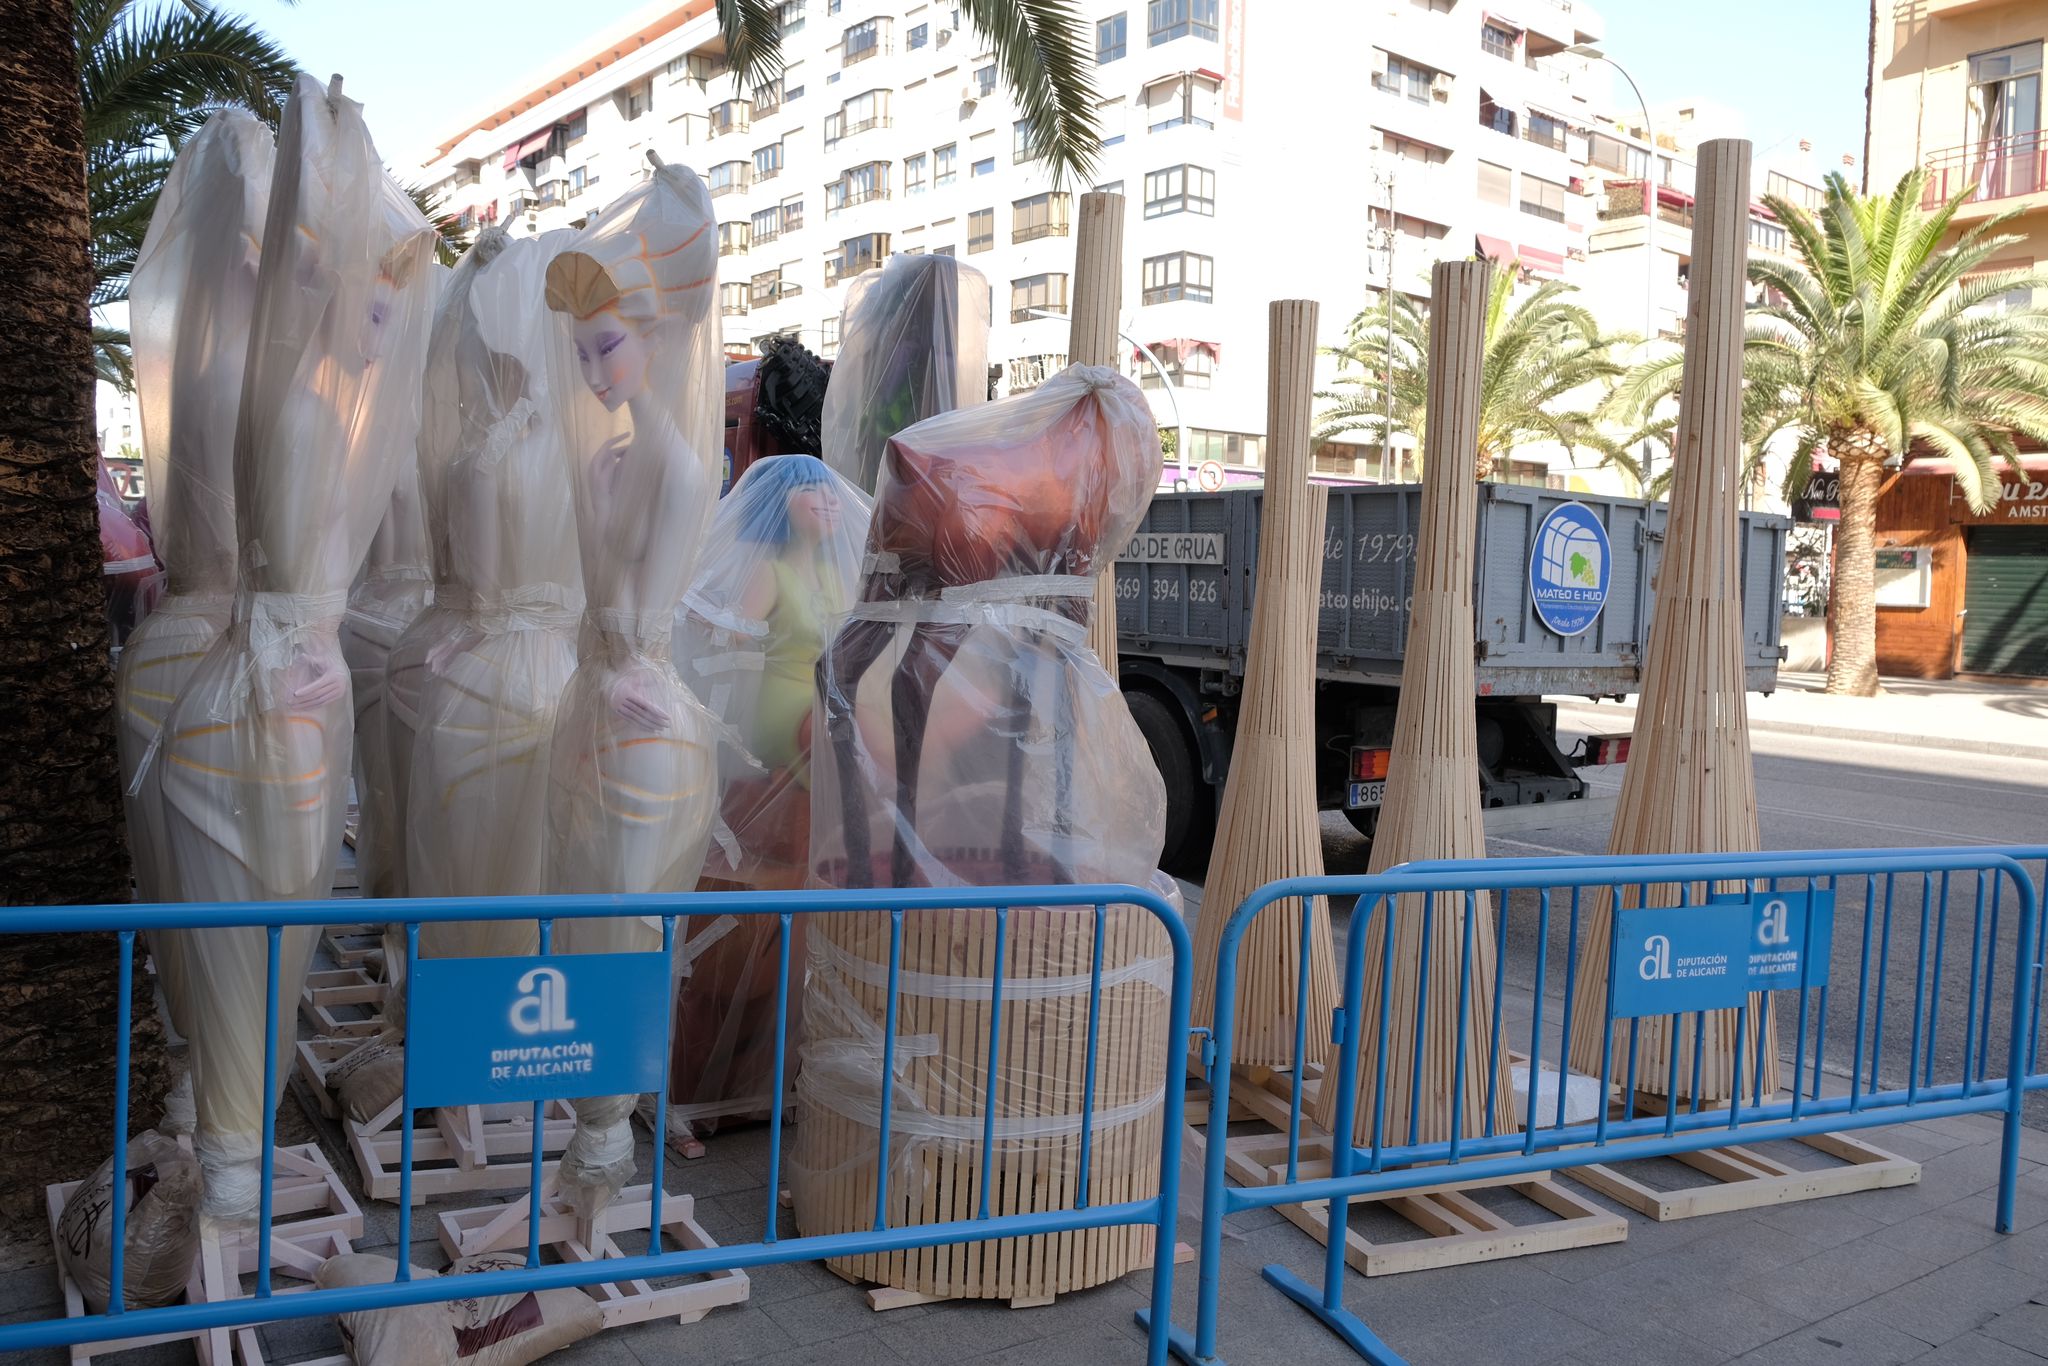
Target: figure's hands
x,y
636,698
315,677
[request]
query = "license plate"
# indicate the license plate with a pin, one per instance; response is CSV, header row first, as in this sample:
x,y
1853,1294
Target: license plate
x,y
1366,794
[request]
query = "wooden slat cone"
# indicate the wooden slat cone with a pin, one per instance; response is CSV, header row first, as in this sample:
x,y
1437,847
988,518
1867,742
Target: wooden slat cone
x,y
1689,786
1091,340
1432,800
1268,827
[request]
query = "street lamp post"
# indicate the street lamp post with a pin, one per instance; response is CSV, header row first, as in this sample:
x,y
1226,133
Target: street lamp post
x,y
1649,219
1180,426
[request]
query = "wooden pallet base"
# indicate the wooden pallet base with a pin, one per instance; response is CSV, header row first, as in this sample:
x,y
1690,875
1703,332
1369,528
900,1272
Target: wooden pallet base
x,y
461,1151
1744,1178
352,946
211,1347
343,1004
882,1298
499,1228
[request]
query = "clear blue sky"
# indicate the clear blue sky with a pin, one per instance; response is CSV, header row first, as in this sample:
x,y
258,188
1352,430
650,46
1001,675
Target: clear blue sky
x,y
1790,68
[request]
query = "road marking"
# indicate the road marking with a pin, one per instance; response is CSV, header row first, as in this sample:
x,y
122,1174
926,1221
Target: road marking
x,y
1925,834
1540,848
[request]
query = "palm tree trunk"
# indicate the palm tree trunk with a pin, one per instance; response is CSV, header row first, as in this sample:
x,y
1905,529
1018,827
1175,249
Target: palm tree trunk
x,y
61,839
1852,659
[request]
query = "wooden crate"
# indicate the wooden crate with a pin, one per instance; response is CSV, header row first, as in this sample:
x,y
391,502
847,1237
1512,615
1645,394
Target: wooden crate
x,y
351,946
565,1238
460,1150
343,1004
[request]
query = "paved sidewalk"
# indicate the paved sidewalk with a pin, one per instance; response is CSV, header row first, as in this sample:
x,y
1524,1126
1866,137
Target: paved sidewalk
x,y
1975,718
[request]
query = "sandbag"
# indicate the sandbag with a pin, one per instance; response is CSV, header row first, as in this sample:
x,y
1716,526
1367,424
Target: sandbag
x,y
163,1227
369,1079
481,1330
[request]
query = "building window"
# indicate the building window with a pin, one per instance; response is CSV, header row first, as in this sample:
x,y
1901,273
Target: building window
x,y
1777,183
1496,116
1498,39
1167,20
828,337
1180,189
864,252
1403,77
788,287
1226,448
1544,198
915,170
1023,146
728,176
919,35
1110,116
1045,293
946,164
768,161
732,239
766,225
765,288
1496,183
1042,215
1766,235
981,230
639,100
1109,42
1412,149
790,13
792,83
1110,187
861,184
986,166
861,42
857,115
1028,372
1180,275
1546,130
1187,100
1190,365
985,80
732,300
792,213
578,125
732,116
1612,154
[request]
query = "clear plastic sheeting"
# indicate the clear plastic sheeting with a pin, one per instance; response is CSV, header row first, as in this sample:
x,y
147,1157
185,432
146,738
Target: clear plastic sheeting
x,y
963,708
188,321
914,345
782,558
497,481
632,770
253,768
972,738
395,588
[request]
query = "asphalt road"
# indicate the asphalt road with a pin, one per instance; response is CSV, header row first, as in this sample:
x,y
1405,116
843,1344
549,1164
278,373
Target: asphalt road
x,y
1826,794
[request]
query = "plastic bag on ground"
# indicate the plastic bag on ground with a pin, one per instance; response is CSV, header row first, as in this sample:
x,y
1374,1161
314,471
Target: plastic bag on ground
x,y
253,766
497,480
632,770
163,1227
915,344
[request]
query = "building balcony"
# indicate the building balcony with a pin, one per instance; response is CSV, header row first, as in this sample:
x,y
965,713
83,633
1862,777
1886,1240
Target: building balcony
x,y
1994,171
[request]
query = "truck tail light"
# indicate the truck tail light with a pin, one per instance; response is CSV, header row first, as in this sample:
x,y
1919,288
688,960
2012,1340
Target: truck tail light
x,y
1369,764
1604,749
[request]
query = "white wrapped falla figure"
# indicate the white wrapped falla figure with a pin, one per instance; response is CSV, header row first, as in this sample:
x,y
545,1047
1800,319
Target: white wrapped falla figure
x,y
916,345
781,560
253,767
491,458
632,771
188,318
395,587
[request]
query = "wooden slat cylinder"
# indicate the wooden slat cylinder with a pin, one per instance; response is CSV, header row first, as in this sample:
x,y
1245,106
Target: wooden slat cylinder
x,y
1689,785
1091,340
1432,806
1268,827
945,1017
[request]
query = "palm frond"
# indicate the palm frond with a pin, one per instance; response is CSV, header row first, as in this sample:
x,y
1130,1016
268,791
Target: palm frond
x,y
1048,63
112,359
752,30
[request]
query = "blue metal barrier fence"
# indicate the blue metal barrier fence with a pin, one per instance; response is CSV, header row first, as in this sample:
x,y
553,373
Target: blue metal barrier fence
x,y
1962,917
125,922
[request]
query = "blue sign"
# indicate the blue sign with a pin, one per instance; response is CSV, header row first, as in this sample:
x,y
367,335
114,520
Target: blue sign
x,y
1672,959
1677,959
1781,938
1570,567
481,1031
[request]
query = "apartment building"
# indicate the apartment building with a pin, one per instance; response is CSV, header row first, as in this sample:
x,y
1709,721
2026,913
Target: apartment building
x,y
1955,88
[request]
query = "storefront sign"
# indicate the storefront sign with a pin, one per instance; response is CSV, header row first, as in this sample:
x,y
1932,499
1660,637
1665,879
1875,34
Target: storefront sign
x,y
1233,58
2019,503
486,1030
1678,959
1569,568
1821,499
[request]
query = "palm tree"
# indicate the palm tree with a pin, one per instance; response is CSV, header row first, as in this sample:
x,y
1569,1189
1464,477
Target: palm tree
x,y
1545,359
1040,45
1879,346
60,794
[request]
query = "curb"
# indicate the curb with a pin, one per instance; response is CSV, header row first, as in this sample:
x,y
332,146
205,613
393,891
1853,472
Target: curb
x,y
1954,744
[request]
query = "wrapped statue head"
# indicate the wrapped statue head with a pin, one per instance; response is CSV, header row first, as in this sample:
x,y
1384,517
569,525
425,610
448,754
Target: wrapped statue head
x,y
914,343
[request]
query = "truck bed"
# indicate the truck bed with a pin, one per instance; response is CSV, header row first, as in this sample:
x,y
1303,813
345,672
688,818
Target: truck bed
x,y
1186,583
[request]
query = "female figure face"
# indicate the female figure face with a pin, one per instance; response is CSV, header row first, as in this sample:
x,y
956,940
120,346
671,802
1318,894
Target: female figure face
x,y
813,511
613,356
